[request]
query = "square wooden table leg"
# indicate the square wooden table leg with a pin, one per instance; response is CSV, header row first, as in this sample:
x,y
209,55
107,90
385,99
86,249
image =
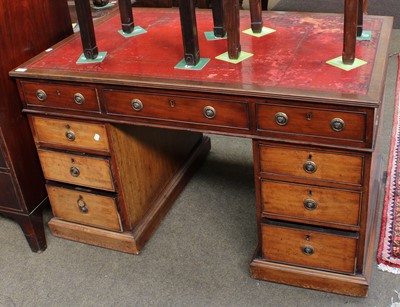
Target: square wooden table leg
x,y
232,26
256,16
350,31
125,10
189,32
218,18
86,28
360,17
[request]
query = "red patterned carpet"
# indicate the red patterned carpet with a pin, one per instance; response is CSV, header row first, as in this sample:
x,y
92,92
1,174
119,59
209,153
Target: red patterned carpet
x,y
389,244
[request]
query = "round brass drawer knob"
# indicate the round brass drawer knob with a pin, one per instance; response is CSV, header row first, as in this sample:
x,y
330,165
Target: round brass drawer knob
x,y
209,112
281,119
41,95
70,135
74,171
337,124
79,98
310,204
82,205
310,167
136,104
307,250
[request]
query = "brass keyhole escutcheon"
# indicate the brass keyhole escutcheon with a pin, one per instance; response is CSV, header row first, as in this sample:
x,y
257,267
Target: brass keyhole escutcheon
x,y
281,119
136,104
82,205
172,103
74,171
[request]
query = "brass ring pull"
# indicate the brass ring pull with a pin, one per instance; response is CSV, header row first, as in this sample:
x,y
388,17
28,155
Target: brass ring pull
x,y
82,205
281,119
79,98
74,171
307,250
136,104
310,204
209,112
41,95
70,135
337,124
310,167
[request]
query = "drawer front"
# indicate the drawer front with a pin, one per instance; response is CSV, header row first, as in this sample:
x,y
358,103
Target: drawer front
x,y
231,114
312,164
84,208
78,98
310,202
309,248
93,172
71,134
298,120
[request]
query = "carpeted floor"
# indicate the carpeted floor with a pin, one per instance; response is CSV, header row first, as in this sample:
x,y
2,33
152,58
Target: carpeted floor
x,y
375,7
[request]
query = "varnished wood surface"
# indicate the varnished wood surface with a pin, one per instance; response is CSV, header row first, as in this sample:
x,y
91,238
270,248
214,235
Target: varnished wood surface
x,y
101,210
27,28
264,75
81,135
94,172
331,251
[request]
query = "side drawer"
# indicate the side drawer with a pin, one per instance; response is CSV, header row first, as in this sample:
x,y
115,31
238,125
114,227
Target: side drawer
x,y
331,123
312,164
310,203
213,112
71,134
309,246
60,96
88,171
84,207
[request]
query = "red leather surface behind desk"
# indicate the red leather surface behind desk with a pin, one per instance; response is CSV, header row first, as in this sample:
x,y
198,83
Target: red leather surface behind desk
x,y
292,57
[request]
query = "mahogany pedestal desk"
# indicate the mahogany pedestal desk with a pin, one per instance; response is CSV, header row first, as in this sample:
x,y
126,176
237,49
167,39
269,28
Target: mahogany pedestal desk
x,y
117,140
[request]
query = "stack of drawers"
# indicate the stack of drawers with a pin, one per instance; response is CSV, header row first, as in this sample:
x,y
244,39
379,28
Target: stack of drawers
x,y
108,184
312,200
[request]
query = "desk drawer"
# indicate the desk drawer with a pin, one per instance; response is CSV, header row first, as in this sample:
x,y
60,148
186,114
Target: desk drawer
x,y
57,96
93,172
223,113
71,134
84,207
309,247
309,121
312,164
310,203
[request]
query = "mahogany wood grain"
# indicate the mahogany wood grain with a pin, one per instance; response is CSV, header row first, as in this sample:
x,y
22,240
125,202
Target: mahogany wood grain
x,y
61,96
331,251
27,28
333,206
330,166
232,26
94,172
70,134
256,15
99,210
147,159
350,31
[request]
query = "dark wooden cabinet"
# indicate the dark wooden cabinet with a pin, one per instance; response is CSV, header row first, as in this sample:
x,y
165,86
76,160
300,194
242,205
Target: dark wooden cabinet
x,y
26,29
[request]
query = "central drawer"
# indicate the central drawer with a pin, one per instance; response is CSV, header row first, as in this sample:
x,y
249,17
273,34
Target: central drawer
x,y
84,207
189,109
88,171
309,246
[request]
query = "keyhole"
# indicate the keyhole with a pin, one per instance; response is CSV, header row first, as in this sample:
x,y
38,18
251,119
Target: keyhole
x,y
309,116
307,237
